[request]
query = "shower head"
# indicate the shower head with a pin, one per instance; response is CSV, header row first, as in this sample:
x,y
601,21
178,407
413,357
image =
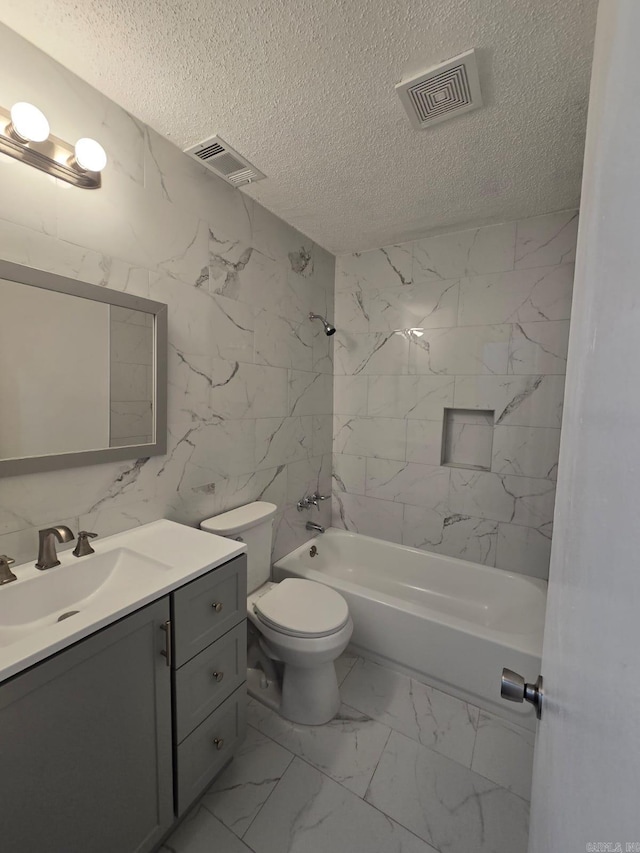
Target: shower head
x,y
328,328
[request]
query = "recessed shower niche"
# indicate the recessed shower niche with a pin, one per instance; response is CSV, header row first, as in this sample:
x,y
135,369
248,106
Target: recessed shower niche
x,y
467,438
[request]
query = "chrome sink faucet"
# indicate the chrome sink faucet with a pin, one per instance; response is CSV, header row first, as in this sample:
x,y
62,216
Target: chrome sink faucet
x,y
47,557
6,575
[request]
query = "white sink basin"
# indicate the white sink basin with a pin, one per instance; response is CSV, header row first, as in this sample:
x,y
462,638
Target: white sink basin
x,y
42,612
46,598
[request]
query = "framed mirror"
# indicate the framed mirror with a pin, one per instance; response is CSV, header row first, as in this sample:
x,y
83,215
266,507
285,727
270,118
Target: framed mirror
x,y
83,373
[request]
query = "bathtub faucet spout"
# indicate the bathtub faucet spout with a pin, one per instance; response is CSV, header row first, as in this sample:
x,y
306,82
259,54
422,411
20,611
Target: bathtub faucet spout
x,y
312,526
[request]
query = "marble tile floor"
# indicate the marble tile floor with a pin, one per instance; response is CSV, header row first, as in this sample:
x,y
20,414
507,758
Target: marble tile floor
x,y
403,767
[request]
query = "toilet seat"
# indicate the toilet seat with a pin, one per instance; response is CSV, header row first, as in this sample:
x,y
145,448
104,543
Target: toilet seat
x,y
302,608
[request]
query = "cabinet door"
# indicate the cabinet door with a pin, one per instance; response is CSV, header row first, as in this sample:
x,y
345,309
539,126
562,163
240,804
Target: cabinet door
x,y
85,744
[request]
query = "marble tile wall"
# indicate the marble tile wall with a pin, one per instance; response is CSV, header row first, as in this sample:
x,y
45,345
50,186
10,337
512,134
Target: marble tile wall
x,y
250,378
471,320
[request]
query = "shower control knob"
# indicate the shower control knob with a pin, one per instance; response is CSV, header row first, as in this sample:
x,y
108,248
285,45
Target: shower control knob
x,y
514,688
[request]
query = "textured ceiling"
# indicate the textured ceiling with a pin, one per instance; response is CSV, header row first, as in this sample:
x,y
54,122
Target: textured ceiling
x,y
305,90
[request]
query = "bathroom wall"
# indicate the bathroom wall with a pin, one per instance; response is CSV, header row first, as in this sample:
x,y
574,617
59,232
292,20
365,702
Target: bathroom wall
x,y
471,320
250,378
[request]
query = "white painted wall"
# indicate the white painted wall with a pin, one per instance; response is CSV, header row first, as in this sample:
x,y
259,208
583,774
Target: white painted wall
x,y
54,379
587,763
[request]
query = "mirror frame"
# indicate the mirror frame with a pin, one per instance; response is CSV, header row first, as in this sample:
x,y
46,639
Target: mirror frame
x,y
97,293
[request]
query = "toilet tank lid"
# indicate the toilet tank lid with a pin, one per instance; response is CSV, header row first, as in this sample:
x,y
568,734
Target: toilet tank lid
x,y
239,519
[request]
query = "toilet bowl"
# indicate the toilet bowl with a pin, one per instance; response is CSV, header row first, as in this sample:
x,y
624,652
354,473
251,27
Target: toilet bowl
x,y
297,628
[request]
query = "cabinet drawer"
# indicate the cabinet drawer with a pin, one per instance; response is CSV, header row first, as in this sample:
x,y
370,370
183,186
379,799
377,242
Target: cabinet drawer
x,y
208,607
207,679
209,747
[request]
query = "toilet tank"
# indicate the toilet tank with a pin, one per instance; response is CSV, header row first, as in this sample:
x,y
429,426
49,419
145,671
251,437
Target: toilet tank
x,y
253,524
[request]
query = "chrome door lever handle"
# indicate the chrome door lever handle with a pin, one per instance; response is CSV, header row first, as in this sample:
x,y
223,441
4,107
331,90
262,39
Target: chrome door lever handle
x,y
514,688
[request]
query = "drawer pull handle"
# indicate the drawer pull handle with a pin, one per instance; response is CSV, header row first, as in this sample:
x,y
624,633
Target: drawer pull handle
x,y
217,606
218,742
167,651
218,676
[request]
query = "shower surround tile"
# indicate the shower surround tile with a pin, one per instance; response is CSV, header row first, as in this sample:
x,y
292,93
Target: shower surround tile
x,y
463,253
468,350
388,267
528,401
527,548
545,240
517,500
350,395
526,451
481,323
539,347
385,438
280,440
430,304
349,473
411,397
523,296
367,515
373,352
453,534
424,442
407,483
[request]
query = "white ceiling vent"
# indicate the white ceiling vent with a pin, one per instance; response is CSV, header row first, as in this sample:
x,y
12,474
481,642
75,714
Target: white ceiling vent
x,y
443,91
225,162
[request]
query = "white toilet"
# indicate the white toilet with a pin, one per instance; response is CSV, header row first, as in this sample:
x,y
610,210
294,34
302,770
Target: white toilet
x,y
301,626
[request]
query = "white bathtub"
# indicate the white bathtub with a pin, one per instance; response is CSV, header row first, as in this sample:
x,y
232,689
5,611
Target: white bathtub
x,y
448,622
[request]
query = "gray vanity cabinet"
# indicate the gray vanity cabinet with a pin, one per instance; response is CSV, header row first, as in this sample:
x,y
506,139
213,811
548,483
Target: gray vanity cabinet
x,y
86,746
210,669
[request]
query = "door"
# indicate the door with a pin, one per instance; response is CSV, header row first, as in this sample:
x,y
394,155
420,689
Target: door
x,y
85,744
586,783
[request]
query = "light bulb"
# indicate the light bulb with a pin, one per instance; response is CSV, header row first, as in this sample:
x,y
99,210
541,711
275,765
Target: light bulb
x,y
29,122
90,155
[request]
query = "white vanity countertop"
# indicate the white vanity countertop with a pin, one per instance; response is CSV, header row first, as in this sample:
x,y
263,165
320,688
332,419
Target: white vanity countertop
x,y
134,568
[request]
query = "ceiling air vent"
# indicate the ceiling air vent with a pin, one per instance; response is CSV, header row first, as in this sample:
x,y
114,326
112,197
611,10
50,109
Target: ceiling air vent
x,y
442,92
225,162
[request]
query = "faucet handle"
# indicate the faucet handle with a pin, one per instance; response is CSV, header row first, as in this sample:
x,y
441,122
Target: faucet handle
x,y
83,547
6,575
316,496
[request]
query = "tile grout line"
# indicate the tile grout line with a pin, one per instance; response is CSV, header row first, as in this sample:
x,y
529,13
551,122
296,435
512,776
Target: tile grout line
x,y
293,755
427,746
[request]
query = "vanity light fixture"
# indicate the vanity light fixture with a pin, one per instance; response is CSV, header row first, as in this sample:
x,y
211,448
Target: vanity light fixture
x,y
28,123
89,155
25,135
